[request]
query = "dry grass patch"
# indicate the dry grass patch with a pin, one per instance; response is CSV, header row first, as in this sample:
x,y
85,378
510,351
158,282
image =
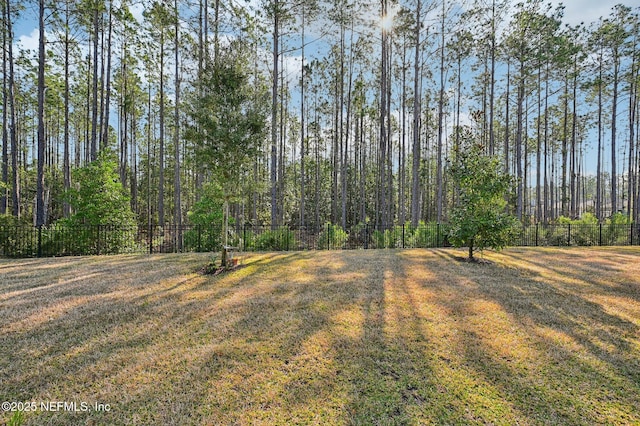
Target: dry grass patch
x,y
535,336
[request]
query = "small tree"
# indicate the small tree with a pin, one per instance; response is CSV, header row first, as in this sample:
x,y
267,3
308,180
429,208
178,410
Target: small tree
x,y
99,200
479,218
227,125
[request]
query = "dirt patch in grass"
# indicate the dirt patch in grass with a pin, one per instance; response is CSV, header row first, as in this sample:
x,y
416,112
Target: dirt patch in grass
x,y
531,336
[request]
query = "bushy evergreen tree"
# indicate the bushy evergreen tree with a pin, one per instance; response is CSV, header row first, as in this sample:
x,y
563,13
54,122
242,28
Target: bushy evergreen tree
x,y
228,118
480,219
98,197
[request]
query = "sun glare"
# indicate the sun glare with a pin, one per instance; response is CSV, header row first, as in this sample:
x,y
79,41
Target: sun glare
x,y
386,21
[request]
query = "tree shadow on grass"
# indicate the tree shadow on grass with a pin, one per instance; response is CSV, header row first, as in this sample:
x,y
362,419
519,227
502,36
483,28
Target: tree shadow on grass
x,y
605,271
379,337
320,350
68,339
585,358
234,348
312,344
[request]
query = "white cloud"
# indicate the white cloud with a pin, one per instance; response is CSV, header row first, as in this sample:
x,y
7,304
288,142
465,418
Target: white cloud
x,y
588,11
136,10
29,41
292,69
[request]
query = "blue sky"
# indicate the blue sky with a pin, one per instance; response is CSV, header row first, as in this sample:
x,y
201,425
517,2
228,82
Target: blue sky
x,y
576,11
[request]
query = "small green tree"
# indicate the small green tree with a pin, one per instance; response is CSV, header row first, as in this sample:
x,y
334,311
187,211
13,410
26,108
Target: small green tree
x,y
228,116
479,218
98,200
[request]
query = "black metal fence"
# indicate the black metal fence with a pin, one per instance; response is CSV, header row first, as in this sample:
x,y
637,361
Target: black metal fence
x,y
20,241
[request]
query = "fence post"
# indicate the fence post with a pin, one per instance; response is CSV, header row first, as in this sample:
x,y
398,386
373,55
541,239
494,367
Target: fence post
x,y
537,234
403,235
569,234
366,236
600,237
150,236
39,240
98,240
438,235
328,236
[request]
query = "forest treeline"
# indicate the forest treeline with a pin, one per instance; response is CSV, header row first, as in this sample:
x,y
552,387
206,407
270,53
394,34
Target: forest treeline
x,y
313,111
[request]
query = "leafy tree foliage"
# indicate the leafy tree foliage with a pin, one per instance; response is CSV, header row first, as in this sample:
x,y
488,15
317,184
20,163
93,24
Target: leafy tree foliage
x,y
207,210
479,218
206,214
102,220
98,198
228,120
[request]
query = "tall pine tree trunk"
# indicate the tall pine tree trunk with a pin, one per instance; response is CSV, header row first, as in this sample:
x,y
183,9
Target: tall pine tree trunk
x,y
519,142
506,120
40,219
439,155
13,138
381,211
4,198
574,142
539,151
565,151
302,127
177,219
161,218
614,119
633,178
93,154
274,118
599,161
417,113
492,82
66,167
104,139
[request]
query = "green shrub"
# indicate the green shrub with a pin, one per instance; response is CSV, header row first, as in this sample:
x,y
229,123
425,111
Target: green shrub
x,y
389,238
584,234
206,218
332,237
393,237
479,219
425,235
203,238
102,222
68,238
378,239
277,240
16,239
555,235
589,219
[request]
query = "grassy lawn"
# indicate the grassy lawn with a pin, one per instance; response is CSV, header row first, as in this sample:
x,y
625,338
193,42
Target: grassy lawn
x,y
535,336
